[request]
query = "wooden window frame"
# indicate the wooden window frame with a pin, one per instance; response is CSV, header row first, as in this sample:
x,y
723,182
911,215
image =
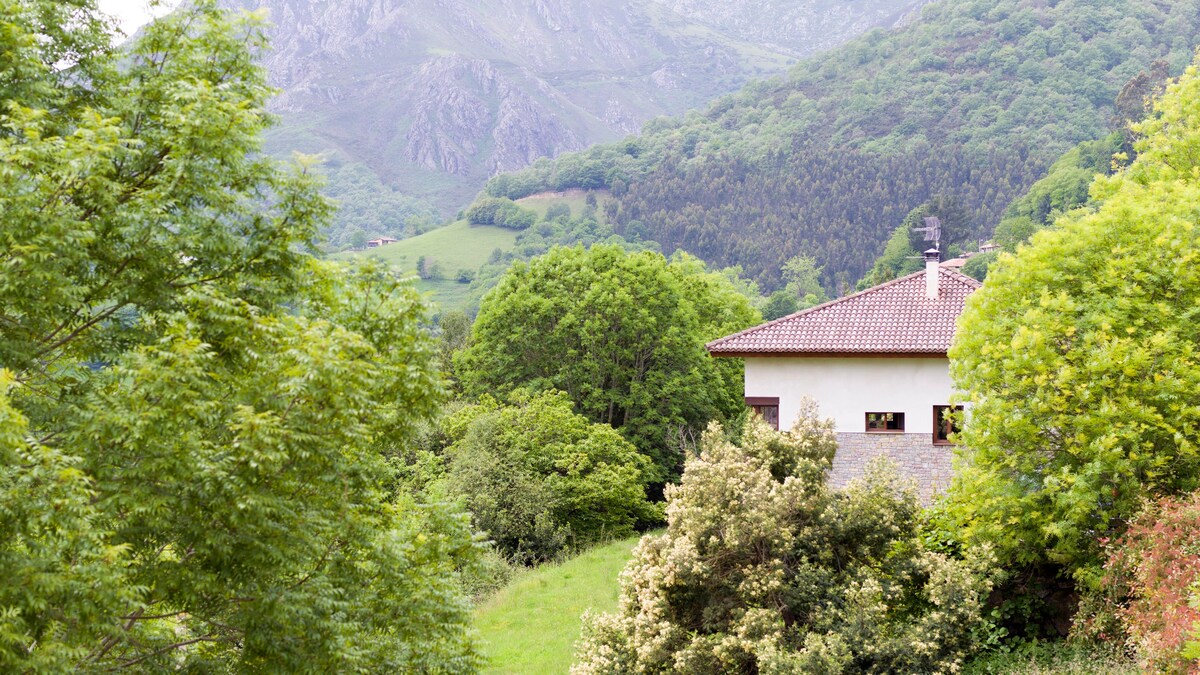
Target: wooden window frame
x,y
937,424
869,430
755,402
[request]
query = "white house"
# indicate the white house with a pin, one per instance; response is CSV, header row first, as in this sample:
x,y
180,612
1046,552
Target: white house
x,y
875,362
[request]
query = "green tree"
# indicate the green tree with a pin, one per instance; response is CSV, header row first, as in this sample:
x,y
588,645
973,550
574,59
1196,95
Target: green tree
x,y
803,277
780,304
898,258
1079,359
193,412
622,334
540,479
455,332
977,265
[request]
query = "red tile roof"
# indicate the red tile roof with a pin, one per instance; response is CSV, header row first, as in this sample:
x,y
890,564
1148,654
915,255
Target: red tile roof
x,y
892,318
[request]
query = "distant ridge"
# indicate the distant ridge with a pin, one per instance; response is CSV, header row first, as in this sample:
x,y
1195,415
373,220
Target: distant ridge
x,y
435,96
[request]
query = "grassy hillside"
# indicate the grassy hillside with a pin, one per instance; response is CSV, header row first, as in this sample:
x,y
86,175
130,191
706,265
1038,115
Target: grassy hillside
x,y
531,626
972,102
453,248
574,199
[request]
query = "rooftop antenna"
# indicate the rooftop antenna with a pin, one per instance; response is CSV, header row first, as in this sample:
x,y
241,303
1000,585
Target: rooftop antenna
x,y
932,230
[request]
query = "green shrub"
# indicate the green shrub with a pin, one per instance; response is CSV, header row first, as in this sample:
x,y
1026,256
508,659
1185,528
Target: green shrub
x,y
1057,658
558,210
764,568
500,211
539,478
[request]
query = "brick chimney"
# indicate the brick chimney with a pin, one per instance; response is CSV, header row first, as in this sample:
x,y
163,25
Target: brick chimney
x,y
933,258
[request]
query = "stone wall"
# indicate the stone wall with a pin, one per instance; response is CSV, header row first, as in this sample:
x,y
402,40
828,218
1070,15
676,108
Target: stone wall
x,y
914,455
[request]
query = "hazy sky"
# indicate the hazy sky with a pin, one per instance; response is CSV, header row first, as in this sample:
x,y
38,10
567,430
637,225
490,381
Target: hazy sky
x,y
134,13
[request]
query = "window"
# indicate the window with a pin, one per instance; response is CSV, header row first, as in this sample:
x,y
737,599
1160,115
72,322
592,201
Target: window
x,y
884,422
945,422
766,407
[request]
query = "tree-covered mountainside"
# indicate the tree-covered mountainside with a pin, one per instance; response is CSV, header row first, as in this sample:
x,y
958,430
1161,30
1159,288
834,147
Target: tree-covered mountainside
x,y
970,103
435,96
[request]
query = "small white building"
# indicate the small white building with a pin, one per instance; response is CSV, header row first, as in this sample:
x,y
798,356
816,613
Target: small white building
x,y
875,362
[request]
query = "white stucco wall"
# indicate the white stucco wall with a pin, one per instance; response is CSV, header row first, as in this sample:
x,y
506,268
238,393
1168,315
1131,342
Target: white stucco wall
x,y
848,388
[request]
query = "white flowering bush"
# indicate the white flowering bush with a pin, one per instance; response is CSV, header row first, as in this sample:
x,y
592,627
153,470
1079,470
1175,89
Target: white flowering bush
x,y
764,568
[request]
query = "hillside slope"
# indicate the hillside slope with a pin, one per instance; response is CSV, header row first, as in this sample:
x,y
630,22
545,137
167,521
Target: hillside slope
x,y
434,96
970,104
531,626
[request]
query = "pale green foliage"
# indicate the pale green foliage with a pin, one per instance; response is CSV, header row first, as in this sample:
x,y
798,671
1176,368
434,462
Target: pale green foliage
x,y
764,568
539,478
1080,359
622,334
1191,647
803,277
193,430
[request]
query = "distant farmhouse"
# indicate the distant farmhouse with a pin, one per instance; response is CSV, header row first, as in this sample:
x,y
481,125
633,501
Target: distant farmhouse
x,y
382,241
875,362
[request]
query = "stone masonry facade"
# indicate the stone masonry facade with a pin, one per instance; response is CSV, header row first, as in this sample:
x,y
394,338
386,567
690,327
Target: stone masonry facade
x,y
914,455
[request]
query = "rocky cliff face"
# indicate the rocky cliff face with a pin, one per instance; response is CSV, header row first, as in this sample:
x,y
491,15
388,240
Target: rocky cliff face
x,y
436,95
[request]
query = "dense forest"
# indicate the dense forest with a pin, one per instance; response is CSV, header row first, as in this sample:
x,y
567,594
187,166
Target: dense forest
x,y
972,102
733,211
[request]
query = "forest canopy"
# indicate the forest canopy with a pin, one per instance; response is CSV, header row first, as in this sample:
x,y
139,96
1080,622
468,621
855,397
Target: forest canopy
x,y
973,101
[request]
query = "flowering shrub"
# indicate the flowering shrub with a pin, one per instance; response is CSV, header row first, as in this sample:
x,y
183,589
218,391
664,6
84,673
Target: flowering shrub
x,y
764,568
1151,572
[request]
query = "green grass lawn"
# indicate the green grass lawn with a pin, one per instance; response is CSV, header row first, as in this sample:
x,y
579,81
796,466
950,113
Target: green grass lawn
x,y
531,625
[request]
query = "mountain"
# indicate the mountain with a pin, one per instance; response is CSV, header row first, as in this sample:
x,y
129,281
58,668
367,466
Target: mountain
x,y
965,106
435,96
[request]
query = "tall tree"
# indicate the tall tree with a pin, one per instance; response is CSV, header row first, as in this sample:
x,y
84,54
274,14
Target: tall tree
x,y
192,410
1081,359
622,334
803,277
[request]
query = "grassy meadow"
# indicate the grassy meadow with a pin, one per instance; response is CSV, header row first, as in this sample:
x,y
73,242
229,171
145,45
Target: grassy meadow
x,y
576,199
531,625
453,248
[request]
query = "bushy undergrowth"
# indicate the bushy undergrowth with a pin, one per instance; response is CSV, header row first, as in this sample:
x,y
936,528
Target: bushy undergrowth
x,y
1055,658
1150,577
764,568
539,479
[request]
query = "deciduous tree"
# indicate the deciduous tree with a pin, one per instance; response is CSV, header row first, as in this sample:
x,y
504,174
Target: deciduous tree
x,y
621,333
540,479
193,411
1081,359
